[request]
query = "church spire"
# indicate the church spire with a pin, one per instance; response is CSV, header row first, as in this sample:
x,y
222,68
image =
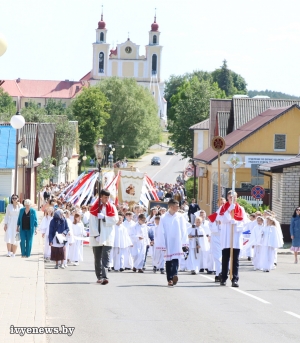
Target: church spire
x,y
154,26
101,23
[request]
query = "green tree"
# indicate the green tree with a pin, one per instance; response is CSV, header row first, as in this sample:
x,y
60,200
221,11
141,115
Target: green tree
x,y
7,106
134,120
191,105
229,81
91,109
55,107
272,94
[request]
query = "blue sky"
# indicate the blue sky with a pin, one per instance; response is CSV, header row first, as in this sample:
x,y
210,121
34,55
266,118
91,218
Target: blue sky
x,y
52,39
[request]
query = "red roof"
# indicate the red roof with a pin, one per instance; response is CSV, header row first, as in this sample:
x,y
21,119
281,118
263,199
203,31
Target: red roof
x,y
237,136
42,88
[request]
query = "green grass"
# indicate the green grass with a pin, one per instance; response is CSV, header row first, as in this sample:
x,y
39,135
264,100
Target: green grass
x,y
164,137
1,216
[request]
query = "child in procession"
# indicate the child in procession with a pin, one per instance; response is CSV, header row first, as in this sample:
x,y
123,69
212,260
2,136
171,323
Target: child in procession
x,y
76,249
198,243
121,243
44,229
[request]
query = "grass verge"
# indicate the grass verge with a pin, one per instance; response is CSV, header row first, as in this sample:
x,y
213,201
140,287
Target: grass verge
x,y
1,217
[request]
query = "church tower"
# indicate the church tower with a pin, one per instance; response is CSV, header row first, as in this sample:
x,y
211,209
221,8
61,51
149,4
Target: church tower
x,y
100,51
154,51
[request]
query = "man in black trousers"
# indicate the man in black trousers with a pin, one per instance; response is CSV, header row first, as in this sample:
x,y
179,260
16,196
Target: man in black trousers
x,y
193,208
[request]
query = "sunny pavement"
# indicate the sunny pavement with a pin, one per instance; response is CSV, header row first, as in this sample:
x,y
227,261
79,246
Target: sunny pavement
x,y
22,291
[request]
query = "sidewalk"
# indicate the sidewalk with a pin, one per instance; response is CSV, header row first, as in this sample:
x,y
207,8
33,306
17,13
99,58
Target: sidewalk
x,y
22,291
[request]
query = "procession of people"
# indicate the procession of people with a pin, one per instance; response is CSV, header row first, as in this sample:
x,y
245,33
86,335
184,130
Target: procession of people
x,y
180,238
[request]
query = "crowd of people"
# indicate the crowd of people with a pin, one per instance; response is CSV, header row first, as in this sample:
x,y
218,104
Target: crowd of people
x,y
178,237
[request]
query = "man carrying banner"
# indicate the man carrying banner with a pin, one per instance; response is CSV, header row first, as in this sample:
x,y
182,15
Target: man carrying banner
x,y
233,218
102,241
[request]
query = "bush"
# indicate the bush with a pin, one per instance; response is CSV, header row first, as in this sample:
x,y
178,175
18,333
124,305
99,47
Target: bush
x,y
249,208
189,187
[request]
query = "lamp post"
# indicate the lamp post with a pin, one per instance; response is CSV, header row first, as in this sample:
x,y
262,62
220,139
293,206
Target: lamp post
x,y
99,149
84,159
111,159
17,122
39,160
65,161
25,162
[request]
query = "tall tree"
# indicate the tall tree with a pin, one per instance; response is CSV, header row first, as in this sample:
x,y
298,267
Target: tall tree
x,y
91,109
191,105
134,120
7,106
229,81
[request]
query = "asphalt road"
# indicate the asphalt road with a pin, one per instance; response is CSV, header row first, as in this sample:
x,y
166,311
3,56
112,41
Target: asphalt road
x,y
140,308
170,168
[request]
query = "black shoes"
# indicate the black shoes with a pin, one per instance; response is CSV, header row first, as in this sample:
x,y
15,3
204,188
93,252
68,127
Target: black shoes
x,y
217,279
249,258
162,271
154,269
222,283
121,270
234,284
201,270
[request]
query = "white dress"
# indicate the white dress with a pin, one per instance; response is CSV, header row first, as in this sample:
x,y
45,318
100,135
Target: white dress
x,y
11,219
76,249
197,260
121,244
44,228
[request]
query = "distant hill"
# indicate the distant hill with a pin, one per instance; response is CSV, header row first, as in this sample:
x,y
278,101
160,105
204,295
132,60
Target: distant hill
x,y
272,94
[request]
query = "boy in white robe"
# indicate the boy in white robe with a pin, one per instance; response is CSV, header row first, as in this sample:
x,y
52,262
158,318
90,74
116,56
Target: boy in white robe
x,y
207,256
172,237
247,250
121,243
129,224
197,242
140,240
158,260
70,238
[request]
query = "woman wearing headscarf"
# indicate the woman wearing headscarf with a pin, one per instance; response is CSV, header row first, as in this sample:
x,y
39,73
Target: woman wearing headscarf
x,y
58,231
26,225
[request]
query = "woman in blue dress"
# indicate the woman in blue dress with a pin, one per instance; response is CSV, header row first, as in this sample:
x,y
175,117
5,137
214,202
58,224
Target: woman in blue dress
x,y
295,233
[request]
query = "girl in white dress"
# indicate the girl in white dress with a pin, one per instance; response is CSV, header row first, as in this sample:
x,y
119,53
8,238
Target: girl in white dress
x,y
44,228
70,238
76,249
10,225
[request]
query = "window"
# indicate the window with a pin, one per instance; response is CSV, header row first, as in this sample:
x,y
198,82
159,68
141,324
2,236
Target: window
x,y
101,62
154,39
154,64
39,105
101,37
26,104
278,187
279,142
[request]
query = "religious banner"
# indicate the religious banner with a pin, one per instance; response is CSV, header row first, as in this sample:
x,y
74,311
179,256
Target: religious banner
x,y
131,184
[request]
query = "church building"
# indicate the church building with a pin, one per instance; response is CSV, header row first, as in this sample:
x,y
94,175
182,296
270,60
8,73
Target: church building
x,y
126,61
122,61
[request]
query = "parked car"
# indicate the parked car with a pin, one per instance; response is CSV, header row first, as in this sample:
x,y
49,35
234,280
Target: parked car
x,y
155,161
170,151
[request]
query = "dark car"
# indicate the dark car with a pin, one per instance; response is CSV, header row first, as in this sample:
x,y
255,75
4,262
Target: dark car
x,y
155,161
170,151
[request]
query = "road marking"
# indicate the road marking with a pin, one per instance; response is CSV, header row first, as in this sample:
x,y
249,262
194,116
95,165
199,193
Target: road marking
x,y
162,168
250,295
208,277
292,314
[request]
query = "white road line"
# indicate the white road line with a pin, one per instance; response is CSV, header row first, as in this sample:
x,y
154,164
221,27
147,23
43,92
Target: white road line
x,y
293,314
250,295
208,277
152,177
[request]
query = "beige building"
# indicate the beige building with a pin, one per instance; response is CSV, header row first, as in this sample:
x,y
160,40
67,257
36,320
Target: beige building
x,y
125,60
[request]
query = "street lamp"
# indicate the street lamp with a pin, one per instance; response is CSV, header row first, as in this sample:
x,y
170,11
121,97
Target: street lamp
x,y
3,45
65,161
99,149
25,162
17,122
84,159
39,160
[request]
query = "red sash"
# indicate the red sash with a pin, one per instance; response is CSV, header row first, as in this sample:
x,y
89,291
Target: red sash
x,y
213,217
238,213
110,210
